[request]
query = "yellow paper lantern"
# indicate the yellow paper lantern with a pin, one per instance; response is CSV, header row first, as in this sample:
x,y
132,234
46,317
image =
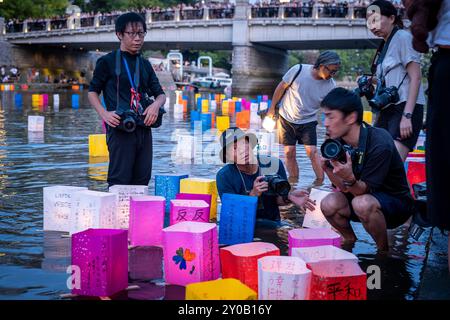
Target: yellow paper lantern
x,y
368,117
205,106
222,289
97,145
201,186
223,123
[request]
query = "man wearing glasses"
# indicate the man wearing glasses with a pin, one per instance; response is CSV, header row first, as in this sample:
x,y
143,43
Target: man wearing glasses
x,y
127,82
299,95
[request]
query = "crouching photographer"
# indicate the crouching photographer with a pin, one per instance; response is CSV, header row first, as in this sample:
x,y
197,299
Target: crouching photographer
x,y
262,177
364,165
128,83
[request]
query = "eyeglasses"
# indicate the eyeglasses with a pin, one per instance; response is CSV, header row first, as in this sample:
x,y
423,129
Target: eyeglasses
x,y
330,71
134,34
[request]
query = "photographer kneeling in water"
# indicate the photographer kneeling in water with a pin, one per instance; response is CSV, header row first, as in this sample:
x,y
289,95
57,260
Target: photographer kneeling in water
x,y
262,177
363,163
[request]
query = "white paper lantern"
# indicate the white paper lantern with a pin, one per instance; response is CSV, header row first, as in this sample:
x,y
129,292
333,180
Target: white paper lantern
x,y
323,253
315,218
93,209
57,207
56,100
36,123
185,147
124,192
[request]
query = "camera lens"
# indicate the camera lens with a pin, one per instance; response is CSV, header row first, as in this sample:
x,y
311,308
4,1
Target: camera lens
x,y
331,149
129,124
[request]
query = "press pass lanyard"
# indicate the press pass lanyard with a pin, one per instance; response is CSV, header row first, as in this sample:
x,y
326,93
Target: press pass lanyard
x,y
135,95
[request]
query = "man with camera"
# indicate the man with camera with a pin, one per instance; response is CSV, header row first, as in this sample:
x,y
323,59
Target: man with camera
x,y
299,94
128,82
364,165
262,177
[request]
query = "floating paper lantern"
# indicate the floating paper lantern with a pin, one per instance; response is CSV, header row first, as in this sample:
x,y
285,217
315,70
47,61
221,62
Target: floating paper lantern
x,y
185,147
240,261
202,186
315,218
283,278
146,220
237,218
205,106
368,117
222,289
168,186
18,100
188,210
337,280
223,123
415,172
75,101
102,256
191,253
92,209
323,253
57,207
243,119
55,100
299,238
36,123
145,263
124,192
98,146
195,196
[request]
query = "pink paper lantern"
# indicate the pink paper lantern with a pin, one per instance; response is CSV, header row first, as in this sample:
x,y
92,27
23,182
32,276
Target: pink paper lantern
x,y
102,258
240,261
191,253
146,220
188,210
145,263
193,196
299,238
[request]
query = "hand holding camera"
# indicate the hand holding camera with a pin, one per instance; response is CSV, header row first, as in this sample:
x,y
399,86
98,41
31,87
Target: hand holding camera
x,y
111,118
259,186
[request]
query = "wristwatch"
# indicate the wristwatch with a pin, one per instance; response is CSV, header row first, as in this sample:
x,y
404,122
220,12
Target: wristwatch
x,y
407,115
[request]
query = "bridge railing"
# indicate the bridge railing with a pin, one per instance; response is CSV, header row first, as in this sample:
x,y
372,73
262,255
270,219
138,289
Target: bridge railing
x,y
221,13
191,14
163,15
87,22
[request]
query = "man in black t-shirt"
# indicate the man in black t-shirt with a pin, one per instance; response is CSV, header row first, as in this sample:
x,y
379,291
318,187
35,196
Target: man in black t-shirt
x,y
125,79
372,186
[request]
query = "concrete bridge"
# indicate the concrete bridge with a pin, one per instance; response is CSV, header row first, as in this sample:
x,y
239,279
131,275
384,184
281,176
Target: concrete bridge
x,y
259,42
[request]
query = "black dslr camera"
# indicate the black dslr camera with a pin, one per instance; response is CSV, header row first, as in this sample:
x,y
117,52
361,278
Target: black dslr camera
x,y
277,186
384,96
365,87
130,119
334,150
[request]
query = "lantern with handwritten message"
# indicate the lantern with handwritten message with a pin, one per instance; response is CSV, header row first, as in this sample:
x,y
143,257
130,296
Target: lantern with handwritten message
x,y
188,210
145,263
222,289
315,218
57,207
323,253
191,253
255,119
283,278
36,123
194,196
168,186
313,238
102,258
92,209
146,220
237,218
202,186
337,280
240,261
124,192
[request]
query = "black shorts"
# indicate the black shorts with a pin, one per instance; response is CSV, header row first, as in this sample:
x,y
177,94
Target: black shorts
x,y
396,210
289,134
390,118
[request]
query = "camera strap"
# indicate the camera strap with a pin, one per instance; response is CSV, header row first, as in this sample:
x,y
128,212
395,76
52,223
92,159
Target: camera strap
x,y
361,150
381,52
277,107
135,95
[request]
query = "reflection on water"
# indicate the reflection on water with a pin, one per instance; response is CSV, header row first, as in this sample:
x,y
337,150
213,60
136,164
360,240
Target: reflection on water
x,y
33,263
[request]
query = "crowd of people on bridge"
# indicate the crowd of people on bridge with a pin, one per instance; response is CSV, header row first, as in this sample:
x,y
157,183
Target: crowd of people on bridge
x,y
260,9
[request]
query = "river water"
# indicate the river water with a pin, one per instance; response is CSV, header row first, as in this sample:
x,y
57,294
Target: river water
x,y
33,262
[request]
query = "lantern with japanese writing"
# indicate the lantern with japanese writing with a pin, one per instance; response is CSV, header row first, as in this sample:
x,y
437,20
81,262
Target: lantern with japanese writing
x,y
124,192
146,220
57,207
188,210
194,196
315,218
92,209
145,263
240,261
191,253
101,257
222,289
313,238
36,123
323,253
283,278
201,186
168,186
337,280
237,218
